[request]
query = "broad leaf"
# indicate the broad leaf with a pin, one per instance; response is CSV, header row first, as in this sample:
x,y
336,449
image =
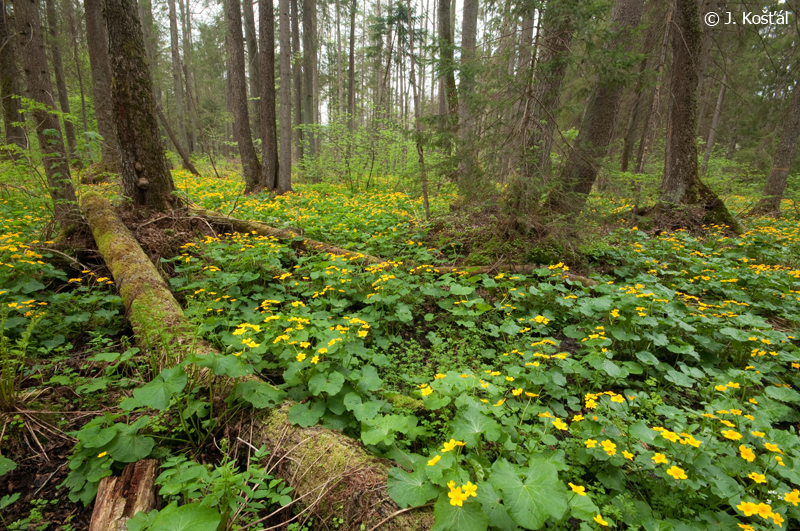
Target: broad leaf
x,y
532,500
306,415
189,517
362,411
470,424
260,394
410,490
330,383
158,393
469,517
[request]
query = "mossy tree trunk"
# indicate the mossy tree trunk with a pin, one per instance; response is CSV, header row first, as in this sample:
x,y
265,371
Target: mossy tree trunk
x,y
681,186
9,83
770,202
145,176
40,89
97,39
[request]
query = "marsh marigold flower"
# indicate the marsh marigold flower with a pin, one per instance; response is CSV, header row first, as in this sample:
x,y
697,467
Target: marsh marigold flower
x,y
599,520
660,458
677,473
577,489
746,453
434,460
758,478
732,435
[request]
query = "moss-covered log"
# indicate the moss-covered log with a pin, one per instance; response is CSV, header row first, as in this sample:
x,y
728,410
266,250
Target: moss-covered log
x,y
156,317
322,461
333,474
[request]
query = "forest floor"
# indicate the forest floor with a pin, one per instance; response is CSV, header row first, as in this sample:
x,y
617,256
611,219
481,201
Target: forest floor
x,y
664,388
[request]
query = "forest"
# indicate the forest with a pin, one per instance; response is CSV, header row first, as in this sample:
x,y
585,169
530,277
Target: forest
x,y
396,265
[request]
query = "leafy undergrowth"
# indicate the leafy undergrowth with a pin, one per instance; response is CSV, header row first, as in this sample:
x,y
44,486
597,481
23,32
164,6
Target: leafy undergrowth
x,y
662,398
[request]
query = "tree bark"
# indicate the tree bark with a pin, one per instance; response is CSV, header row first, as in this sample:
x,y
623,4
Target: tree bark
x,y
285,166
297,81
770,202
418,111
177,78
447,65
191,127
48,130
633,121
238,95
9,83
470,183
76,56
61,81
253,63
269,132
145,176
351,73
309,56
121,497
187,162
681,185
596,130
97,39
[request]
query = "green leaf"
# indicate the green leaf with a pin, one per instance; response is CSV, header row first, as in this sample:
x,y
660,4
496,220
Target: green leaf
x,y
611,368
369,381
457,289
469,517
642,432
158,393
410,489
307,414
189,517
679,378
260,394
6,465
647,358
470,424
8,499
382,429
362,411
330,383
582,507
532,501
492,506
784,394
129,447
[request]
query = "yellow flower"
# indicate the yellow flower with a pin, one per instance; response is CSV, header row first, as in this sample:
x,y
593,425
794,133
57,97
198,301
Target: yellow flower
x,y
627,455
301,357
500,402
591,404
315,360
577,418
434,460
577,489
758,478
779,459
516,392
793,497
591,443
451,444
763,510
778,519
362,333
759,434
615,313
733,385
746,453
670,436
560,424
660,458
618,399
677,473
103,454
721,387
305,344
470,489
438,376
609,447
772,448
748,508
457,497
427,391
599,520
323,350
732,435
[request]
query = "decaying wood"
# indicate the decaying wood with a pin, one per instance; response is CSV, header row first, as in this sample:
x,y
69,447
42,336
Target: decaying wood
x,y
119,498
265,230
329,470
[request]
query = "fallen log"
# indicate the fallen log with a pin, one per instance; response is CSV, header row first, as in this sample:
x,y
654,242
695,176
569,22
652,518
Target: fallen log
x,y
121,497
265,230
354,473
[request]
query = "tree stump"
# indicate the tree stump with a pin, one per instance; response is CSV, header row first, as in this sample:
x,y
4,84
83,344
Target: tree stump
x,y
119,498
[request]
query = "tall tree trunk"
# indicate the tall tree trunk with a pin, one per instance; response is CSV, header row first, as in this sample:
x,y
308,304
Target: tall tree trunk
x,y
309,56
447,65
151,46
61,81
285,167
681,185
469,180
770,202
339,80
351,73
633,121
177,78
253,63
596,130
145,176
9,82
269,132
70,8
712,133
241,118
297,81
48,130
97,39
417,114
191,123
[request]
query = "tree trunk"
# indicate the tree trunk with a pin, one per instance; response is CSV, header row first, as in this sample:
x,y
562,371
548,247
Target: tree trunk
x,y
339,79
633,121
48,130
121,497
76,56
151,46
145,176
61,81
285,166
770,202
187,162
309,55
297,81
241,117
470,182
351,73
269,132
447,65
681,185
712,133
191,127
97,39
177,82
9,82
253,63
418,112
596,130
